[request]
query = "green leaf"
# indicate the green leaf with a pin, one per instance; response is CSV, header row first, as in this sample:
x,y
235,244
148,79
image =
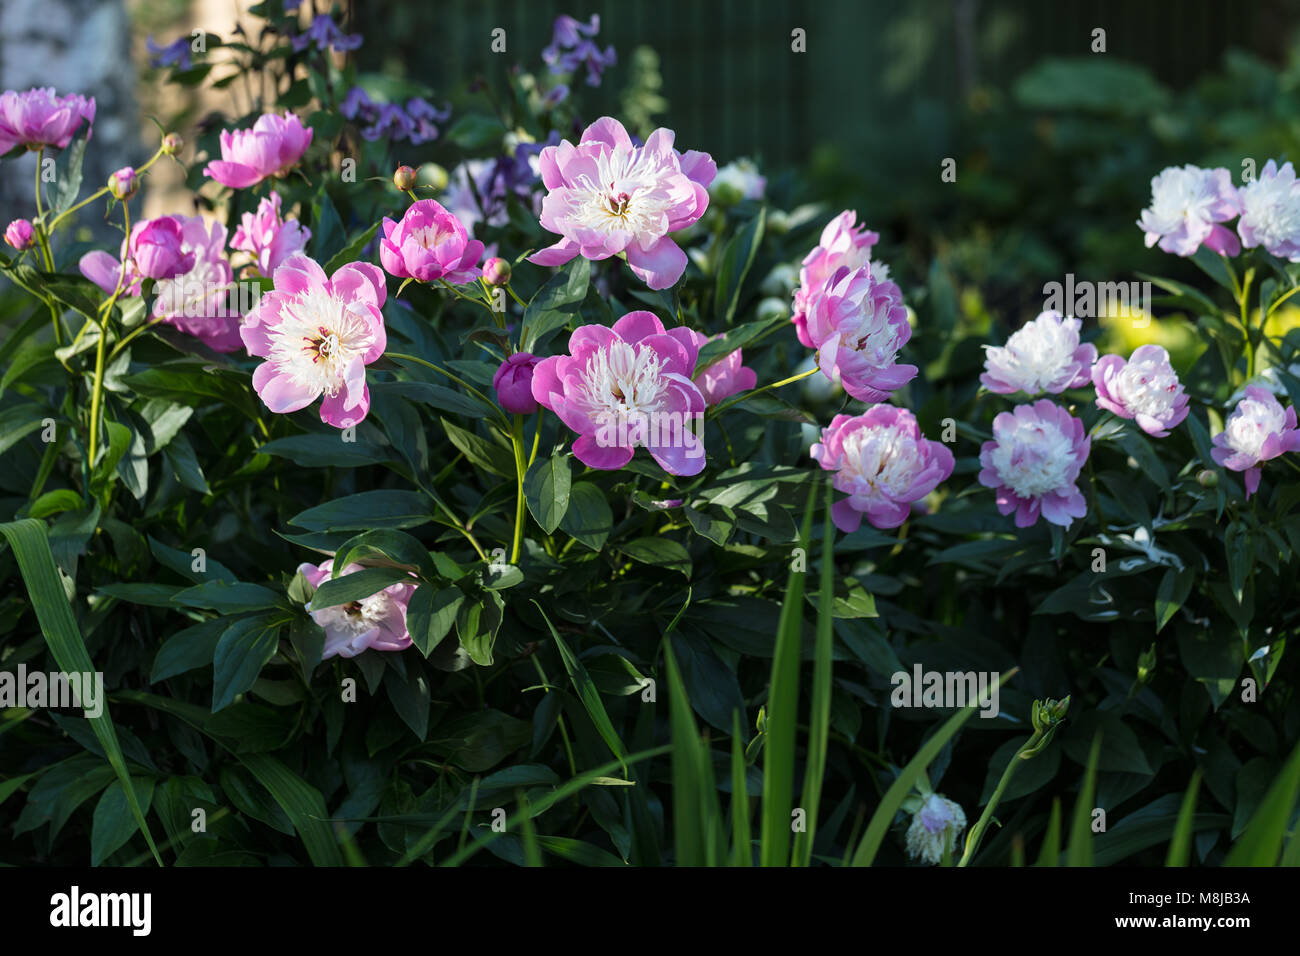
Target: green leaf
x,y
228,597
351,252
328,236
588,517
1079,850
659,553
365,511
326,451
735,264
31,548
1172,593
482,452
431,614
1180,847
546,488
1260,843
113,822
241,653
354,586
187,649
476,131
556,302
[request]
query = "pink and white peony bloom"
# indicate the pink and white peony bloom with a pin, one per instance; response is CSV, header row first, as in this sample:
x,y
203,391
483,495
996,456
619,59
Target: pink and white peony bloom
x,y
197,301
607,196
1145,388
377,622
39,118
934,829
857,325
842,244
1257,430
1186,208
1270,212
1033,461
430,244
1043,355
154,250
626,387
269,238
271,148
883,463
317,335
739,179
725,377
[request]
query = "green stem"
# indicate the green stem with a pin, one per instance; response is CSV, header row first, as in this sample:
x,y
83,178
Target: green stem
x,y
719,409
1245,322
977,832
517,441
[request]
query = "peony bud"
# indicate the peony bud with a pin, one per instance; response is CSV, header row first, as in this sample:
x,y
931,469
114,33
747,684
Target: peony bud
x,y
172,143
514,383
123,184
496,271
435,176
19,234
1207,478
405,178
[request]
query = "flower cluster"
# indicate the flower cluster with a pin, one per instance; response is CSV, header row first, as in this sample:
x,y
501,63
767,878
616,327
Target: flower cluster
x,y
573,47
416,122
38,118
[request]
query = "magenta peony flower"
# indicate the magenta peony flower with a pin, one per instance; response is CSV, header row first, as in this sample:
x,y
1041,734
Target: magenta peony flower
x,y
1258,429
857,325
429,244
1036,454
155,250
377,622
608,196
1186,208
725,377
1145,388
196,302
625,387
271,148
317,335
39,118
1270,212
514,383
842,244
883,462
19,234
1043,355
267,237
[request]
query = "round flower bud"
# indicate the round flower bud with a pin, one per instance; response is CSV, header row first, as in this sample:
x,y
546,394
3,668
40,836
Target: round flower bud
x,y
496,271
123,184
514,383
435,176
405,178
172,143
1207,478
19,234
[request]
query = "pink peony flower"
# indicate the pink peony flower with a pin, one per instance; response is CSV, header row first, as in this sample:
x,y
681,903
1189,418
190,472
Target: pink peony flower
x,y
19,234
1186,208
317,335
625,387
514,383
267,237
271,148
155,250
857,325
1033,461
1043,355
1270,212
1258,429
197,301
39,118
842,244
429,244
725,377
1145,388
377,622
883,463
608,196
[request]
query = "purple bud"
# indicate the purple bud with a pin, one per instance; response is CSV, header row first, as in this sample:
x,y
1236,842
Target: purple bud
x,y
496,271
514,383
19,234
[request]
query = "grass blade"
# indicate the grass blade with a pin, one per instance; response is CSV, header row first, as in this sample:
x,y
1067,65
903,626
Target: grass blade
x,y
1050,853
742,850
1180,847
31,546
1260,843
1079,852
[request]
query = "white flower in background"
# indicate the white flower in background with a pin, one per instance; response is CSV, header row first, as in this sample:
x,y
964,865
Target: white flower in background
x,y
1270,212
736,181
935,828
1187,205
1043,355
1269,379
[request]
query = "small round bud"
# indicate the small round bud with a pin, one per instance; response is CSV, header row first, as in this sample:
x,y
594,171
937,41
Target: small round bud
x,y
435,176
123,184
1207,478
19,234
172,143
405,178
496,271
514,383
